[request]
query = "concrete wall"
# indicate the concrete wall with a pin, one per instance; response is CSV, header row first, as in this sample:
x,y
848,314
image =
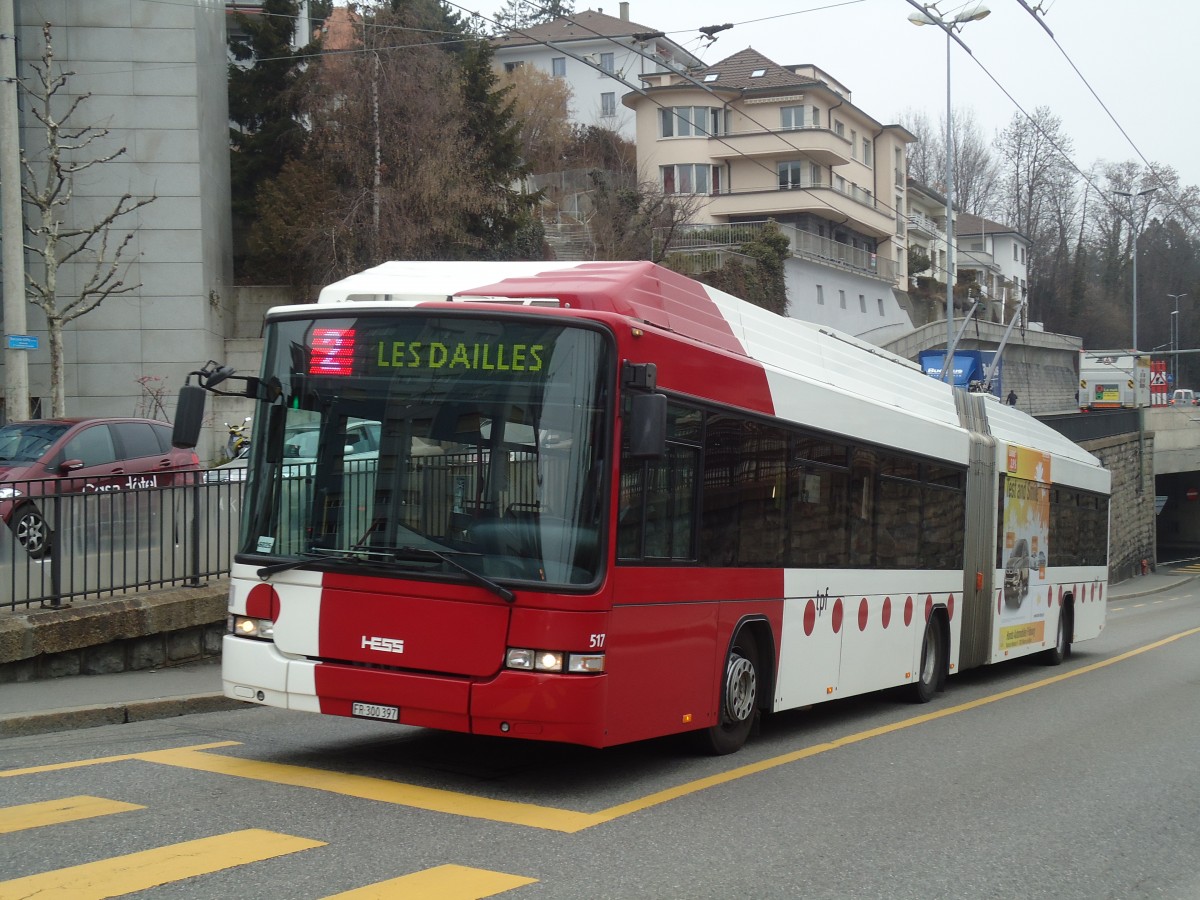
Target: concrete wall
x,y
1038,365
1131,535
156,73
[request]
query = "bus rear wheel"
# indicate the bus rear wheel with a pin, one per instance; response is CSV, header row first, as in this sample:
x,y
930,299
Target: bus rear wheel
x,y
739,699
1062,640
933,663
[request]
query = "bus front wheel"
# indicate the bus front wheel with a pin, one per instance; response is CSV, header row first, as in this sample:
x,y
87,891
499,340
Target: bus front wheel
x,y
739,699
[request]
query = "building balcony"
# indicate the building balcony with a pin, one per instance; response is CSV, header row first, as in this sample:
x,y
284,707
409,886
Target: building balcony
x,y
704,242
925,226
976,259
855,205
820,145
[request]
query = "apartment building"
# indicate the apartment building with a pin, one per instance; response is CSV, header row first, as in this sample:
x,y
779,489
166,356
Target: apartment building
x,y
599,56
753,140
994,257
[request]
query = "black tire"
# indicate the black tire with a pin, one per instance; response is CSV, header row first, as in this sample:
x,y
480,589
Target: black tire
x,y
739,699
31,531
932,669
1062,640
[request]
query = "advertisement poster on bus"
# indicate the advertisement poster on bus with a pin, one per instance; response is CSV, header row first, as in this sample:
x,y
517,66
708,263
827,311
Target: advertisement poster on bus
x,y
1025,520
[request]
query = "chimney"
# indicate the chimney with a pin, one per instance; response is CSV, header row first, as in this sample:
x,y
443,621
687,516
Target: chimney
x,y
624,10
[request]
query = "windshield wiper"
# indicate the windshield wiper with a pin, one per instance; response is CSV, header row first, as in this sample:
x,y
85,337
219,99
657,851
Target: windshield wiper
x,y
446,556
310,556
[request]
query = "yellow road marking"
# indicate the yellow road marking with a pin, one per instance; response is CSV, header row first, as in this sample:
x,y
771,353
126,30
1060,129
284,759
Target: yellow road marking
x,y
122,875
551,818
367,788
54,812
439,883
82,763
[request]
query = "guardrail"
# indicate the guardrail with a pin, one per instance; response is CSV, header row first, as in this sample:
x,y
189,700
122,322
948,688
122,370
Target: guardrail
x,y
104,543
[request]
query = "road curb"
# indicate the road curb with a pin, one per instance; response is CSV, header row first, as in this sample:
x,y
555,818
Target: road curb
x,y
120,713
1132,595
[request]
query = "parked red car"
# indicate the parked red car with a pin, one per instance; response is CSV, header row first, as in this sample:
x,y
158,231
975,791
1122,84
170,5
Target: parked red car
x,y
81,455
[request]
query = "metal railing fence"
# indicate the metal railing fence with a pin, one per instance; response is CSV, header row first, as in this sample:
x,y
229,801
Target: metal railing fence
x,y
108,542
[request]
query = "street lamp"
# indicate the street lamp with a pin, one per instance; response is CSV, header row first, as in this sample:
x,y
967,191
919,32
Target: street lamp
x,y
929,15
1136,230
1175,338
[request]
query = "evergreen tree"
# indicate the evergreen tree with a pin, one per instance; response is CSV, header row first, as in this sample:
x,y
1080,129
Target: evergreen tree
x,y
264,103
518,14
494,131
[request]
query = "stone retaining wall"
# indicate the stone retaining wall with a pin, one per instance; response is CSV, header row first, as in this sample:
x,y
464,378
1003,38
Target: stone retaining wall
x,y
94,637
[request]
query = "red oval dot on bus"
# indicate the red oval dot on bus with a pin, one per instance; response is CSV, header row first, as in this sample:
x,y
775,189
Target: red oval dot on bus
x,y
928,606
262,602
810,618
950,606
862,614
1050,596
1060,595
999,602
908,609
887,611
837,616
1101,592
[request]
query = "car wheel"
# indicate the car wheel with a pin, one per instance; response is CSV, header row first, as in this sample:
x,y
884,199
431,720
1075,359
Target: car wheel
x,y
31,531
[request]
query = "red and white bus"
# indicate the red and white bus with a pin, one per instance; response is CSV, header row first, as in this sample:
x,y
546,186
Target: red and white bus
x,y
608,503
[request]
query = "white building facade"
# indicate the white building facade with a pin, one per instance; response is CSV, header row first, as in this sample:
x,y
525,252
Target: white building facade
x,y
599,57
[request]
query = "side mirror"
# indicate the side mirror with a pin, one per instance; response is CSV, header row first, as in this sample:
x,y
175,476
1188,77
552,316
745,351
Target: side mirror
x,y
647,426
69,465
189,417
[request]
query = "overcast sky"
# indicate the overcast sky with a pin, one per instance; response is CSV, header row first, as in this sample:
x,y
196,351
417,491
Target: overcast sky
x,y
1139,56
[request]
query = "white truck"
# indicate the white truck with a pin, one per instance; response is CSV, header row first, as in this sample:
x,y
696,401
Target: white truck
x,y
1113,379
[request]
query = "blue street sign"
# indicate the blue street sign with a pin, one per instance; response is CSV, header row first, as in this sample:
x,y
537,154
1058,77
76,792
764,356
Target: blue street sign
x,y
22,342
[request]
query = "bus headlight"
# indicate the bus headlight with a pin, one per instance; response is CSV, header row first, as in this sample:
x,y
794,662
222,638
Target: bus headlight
x,y
529,660
245,626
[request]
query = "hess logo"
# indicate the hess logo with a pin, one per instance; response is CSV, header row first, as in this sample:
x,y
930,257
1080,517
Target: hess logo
x,y
383,644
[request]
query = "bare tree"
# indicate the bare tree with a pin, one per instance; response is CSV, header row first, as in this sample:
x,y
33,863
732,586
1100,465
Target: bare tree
x,y
96,250
541,106
975,171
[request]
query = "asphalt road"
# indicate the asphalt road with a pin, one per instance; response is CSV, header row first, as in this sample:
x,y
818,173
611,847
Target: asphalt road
x,y
1081,781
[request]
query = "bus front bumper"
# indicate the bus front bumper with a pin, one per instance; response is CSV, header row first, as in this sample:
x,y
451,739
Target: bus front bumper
x,y
535,705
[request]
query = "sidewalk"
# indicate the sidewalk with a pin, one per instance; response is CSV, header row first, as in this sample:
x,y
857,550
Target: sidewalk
x,y
83,701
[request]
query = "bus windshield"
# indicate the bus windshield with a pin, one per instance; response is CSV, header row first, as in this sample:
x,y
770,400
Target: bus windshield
x,y
416,443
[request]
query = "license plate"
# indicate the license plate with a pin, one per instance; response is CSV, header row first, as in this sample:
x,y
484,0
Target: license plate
x,y
375,711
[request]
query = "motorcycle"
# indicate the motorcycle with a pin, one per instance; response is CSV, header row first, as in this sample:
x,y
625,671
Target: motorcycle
x,y
239,438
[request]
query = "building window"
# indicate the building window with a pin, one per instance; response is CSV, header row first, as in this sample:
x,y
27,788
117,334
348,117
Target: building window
x,y
816,117
862,303
558,66
608,105
1022,256
1014,252
687,179
790,175
838,128
814,173
691,121
853,144
791,117
868,151
758,73
607,64
842,298
841,184
511,67
820,295
879,300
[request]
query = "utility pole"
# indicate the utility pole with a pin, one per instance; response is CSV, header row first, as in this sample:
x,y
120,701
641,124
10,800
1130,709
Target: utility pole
x,y
12,225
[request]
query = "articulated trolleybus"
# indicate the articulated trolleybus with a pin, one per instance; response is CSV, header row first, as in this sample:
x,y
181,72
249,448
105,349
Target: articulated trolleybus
x,y
602,502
